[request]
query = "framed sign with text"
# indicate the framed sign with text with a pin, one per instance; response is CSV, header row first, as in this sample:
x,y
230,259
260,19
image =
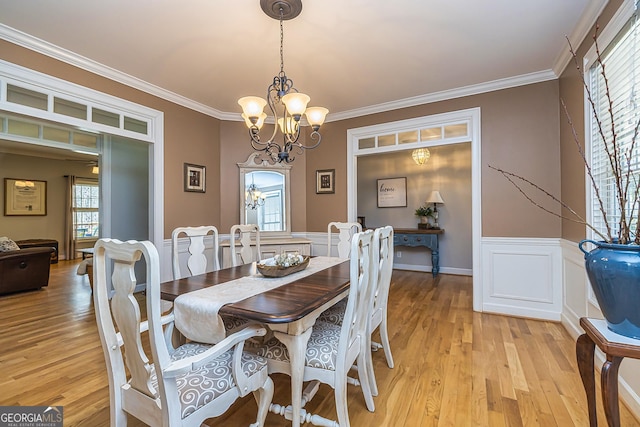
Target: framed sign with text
x,y
25,197
392,192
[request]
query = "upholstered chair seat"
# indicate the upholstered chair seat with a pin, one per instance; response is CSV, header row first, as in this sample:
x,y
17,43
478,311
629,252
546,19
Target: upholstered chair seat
x,y
205,384
322,348
334,314
233,323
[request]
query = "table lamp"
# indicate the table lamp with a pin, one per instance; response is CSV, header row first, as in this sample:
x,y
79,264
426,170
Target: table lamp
x,y
435,197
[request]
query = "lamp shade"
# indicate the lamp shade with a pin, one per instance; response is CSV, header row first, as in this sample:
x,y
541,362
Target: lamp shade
x,y
434,197
316,115
252,106
296,103
420,155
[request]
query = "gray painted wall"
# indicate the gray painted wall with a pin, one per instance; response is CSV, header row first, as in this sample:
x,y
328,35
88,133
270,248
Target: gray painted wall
x,y
448,171
129,189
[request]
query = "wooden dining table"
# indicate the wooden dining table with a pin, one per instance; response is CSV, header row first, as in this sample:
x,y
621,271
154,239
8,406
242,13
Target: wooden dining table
x,y
289,310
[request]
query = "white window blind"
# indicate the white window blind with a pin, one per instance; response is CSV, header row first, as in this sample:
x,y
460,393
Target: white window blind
x,y
621,61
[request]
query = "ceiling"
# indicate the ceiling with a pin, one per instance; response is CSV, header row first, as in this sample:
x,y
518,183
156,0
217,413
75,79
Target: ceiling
x,y
354,57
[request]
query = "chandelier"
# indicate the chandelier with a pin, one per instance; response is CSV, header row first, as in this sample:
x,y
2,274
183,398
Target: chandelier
x,y
420,155
285,102
254,198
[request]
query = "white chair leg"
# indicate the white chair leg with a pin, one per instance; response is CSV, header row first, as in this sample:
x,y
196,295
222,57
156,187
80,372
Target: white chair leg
x,y
340,393
118,415
364,368
384,337
263,397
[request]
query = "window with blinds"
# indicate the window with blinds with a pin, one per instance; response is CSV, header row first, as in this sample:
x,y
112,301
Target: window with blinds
x,y
86,206
621,61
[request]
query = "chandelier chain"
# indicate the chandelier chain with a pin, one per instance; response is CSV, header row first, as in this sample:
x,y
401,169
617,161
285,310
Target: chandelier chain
x,y
281,44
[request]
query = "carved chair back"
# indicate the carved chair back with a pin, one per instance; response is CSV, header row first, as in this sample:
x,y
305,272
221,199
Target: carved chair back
x,y
245,254
197,261
346,230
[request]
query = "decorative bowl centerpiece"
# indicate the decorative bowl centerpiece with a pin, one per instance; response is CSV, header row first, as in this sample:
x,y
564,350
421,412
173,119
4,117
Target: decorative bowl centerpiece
x,y
282,265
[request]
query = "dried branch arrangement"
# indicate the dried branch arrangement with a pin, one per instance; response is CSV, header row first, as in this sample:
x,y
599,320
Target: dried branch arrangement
x,y
620,161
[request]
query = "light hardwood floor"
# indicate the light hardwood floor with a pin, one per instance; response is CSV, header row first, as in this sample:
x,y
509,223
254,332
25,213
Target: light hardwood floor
x,y
453,367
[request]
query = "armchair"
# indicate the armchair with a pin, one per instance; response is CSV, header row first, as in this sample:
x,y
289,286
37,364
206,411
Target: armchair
x,y
24,269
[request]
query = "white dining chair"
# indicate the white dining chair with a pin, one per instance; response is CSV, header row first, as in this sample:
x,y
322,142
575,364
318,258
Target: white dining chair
x,y
182,386
245,254
346,230
383,260
197,260
333,349
383,238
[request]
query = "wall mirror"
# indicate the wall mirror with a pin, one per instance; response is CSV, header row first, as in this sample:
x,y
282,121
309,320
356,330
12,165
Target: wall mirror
x,y
264,195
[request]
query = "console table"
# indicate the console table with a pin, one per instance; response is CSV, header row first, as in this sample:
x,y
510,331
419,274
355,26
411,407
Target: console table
x,y
415,237
615,347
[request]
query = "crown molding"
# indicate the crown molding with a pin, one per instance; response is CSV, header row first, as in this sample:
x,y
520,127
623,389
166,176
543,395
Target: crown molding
x,y
460,92
579,33
45,48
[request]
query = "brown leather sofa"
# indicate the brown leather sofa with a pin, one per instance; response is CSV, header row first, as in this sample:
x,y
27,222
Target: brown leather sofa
x,y
24,269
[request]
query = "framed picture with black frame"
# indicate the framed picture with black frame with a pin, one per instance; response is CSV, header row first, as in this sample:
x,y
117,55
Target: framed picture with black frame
x,y
325,181
194,178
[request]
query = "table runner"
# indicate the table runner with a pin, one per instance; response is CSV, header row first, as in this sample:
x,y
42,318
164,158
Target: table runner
x,y
196,313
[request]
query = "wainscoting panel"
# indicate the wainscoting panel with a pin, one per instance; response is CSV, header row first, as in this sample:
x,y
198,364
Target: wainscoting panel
x,y
522,277
575,282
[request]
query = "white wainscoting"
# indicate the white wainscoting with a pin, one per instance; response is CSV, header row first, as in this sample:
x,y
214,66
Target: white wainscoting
x,y
576,285
522,277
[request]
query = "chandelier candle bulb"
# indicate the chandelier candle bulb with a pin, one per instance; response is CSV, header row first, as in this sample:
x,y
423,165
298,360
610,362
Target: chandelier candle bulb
x,y
288,126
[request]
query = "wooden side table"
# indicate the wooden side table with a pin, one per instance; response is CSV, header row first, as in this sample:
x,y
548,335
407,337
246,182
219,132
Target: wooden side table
x,y
615,347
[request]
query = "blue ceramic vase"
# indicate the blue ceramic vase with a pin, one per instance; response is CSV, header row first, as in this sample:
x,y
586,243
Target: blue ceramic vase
x,y
614,273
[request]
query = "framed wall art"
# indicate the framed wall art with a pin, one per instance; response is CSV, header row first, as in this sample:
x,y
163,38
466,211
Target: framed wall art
x,y
25,197
194,178
325,181
392,192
